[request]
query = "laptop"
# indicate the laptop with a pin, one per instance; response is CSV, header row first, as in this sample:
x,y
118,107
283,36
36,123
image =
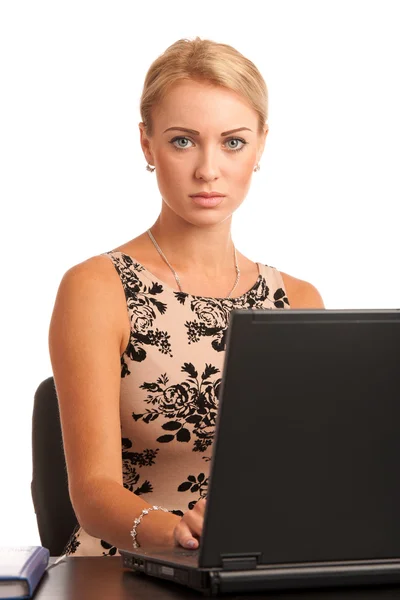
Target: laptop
x,y
305,480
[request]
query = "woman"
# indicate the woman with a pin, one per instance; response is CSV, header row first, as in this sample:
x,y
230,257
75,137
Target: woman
x,y
137,336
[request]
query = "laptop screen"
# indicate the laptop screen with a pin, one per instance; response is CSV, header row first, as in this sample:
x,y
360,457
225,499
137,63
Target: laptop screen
x,y
306,457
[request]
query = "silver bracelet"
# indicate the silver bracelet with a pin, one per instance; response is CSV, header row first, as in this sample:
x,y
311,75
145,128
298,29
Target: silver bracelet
x,y
138,520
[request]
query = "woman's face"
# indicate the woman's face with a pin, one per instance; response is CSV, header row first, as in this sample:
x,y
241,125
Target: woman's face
x,y
205,139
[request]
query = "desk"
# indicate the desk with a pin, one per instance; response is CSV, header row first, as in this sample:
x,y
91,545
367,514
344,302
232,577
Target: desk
x,y
98,578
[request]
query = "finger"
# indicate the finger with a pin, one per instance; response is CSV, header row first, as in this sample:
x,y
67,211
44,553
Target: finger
x,y
184,537
194,520
200,506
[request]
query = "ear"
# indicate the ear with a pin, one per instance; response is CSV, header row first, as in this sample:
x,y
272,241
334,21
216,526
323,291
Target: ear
x,y
145,142
261,146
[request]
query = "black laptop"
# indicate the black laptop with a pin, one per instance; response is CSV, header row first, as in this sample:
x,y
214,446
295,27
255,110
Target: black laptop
x,y
305,475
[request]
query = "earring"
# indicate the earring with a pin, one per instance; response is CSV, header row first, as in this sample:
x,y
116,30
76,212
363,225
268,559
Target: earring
x,y
257,167
151,169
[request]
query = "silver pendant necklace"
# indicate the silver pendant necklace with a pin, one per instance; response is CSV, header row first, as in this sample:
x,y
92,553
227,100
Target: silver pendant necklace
x,y
175,274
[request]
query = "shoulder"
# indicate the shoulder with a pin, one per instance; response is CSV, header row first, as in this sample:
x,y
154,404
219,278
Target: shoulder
x,y
90,302
301,294
92,285
94,273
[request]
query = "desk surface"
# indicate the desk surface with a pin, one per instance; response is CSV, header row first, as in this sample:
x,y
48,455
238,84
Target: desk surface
x,y
83,578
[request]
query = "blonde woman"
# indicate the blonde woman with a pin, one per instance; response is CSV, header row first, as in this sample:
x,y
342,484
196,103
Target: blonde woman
x,y
138,334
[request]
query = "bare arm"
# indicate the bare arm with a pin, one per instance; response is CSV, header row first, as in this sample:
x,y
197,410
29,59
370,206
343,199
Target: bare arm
x,y
301,294
88,333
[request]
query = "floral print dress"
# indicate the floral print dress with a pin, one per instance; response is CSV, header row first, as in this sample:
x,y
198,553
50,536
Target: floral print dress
x,y
170,381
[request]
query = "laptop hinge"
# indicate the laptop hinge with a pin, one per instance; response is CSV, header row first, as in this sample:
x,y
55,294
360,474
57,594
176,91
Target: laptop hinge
x,y
240,562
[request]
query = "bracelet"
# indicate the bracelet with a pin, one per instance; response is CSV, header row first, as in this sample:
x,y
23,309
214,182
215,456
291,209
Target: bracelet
x,y
138,520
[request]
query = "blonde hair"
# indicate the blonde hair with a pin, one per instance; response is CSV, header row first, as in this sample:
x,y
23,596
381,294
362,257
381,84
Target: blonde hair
x,y
208,61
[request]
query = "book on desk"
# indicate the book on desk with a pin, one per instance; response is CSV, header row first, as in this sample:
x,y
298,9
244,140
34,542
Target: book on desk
x,y
21,569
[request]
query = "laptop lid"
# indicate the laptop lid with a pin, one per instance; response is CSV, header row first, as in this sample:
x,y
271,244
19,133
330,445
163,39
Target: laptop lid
x,y
305,463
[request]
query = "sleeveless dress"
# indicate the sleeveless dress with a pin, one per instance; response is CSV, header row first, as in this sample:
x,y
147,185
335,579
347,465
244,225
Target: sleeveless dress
x,y
170,380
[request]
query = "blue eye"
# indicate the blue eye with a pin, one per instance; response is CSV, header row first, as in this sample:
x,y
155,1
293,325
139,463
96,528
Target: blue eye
x,y
186,141
236,149
179,139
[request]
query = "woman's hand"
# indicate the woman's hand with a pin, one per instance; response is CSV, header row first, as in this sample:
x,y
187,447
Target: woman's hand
x,y
188,531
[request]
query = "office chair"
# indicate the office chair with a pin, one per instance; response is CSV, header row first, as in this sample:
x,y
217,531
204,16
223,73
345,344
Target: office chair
x,y
54,513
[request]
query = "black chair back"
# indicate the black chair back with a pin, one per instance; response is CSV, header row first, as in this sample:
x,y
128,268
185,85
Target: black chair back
x,y
54,513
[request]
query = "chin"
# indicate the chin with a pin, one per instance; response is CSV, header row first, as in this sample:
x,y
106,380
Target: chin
x,y
207,218
203,217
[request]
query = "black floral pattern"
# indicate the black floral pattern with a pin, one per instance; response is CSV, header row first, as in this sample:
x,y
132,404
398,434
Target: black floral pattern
x,y
142,305
73,542
191,402
131,460
212,314
111,550
212,318
195,484
169,408
280,299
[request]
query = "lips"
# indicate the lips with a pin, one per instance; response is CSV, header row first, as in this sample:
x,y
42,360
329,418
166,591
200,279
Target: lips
x,y
207,201
208,195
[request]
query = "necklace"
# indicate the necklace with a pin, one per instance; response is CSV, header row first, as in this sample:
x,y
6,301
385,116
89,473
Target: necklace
x,y
175,274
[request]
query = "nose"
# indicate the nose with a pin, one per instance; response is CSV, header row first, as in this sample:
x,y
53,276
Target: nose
x,y
207,167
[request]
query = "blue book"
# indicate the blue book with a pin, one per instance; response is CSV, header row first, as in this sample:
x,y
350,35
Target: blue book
x,y
21,569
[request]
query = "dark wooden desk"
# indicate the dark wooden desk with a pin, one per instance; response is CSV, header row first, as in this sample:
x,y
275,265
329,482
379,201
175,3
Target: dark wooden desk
x,y
101,578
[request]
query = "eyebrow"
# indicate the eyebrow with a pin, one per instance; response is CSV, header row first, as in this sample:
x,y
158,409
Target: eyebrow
x,y
194,132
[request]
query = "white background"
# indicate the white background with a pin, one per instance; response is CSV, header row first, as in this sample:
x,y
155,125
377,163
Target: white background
x,y
73,181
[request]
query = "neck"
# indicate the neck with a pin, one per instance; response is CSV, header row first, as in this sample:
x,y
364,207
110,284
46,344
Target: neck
x,y
191,248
